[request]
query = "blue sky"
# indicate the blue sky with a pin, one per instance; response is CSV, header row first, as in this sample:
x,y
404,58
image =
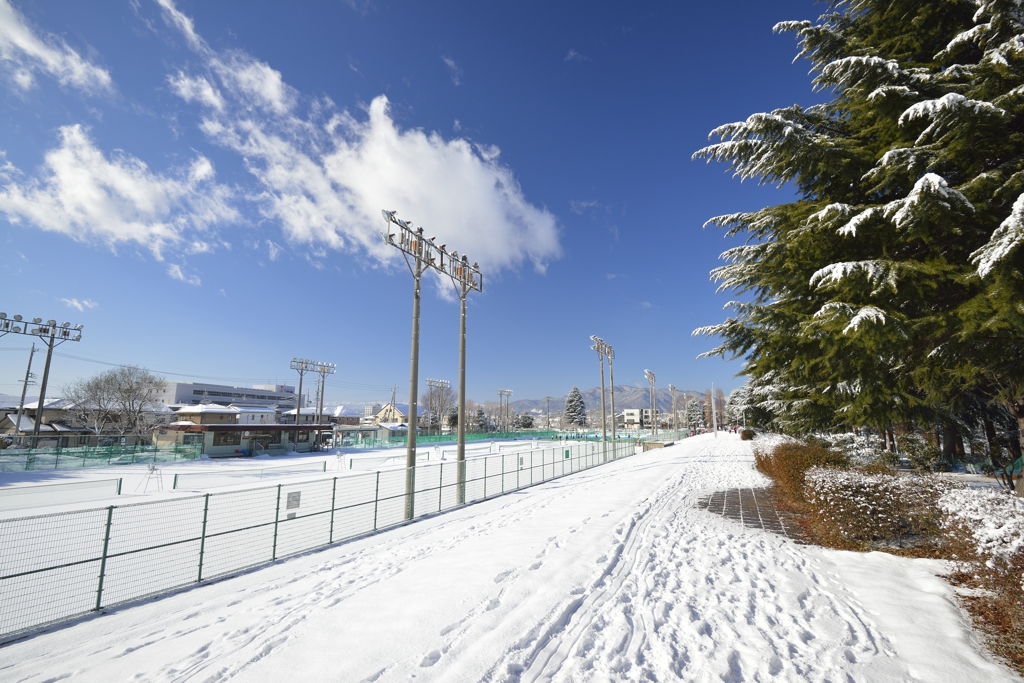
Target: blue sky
x,y
200,183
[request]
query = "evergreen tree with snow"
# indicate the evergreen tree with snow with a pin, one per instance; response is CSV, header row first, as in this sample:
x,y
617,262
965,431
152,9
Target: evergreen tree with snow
x,y
575,408
890,290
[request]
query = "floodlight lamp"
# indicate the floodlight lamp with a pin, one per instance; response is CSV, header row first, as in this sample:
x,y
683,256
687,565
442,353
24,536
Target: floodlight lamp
x,y
77,337
3,316
65,324
51,323
36,321
17,318
15,329
78,326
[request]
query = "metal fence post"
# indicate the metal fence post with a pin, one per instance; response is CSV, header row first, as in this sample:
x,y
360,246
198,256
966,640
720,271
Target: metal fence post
x,y
485,476
440,485
277,518
202,539
376,500
502,456
103,559
334,494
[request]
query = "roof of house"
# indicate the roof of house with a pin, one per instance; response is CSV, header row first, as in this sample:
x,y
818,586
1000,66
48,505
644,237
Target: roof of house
x,y
207,408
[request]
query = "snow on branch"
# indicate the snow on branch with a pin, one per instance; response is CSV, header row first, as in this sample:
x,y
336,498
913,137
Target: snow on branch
x,y
929,189
1004,241
949,110
878,272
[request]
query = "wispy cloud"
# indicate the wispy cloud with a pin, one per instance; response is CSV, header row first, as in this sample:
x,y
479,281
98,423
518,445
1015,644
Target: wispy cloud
x,y
81,305
23,53
86,195
175,272
454,70
273,249
574,56
324,176
581,207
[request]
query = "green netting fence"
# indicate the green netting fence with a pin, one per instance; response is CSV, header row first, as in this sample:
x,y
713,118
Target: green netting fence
x,y
28,459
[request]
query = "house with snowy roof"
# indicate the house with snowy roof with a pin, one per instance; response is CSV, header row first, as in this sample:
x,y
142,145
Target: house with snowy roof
x,y
394,413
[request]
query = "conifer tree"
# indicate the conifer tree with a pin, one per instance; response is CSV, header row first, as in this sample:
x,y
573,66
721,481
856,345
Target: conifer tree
x,y
575,408
891,289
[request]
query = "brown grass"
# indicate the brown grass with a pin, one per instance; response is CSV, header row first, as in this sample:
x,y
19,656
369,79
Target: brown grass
x,y
787,464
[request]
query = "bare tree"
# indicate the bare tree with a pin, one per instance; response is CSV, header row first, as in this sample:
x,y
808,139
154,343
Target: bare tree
x,y
91,402
121,400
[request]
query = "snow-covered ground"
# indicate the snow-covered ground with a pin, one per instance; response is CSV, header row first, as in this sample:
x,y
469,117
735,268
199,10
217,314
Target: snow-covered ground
x,y
610,574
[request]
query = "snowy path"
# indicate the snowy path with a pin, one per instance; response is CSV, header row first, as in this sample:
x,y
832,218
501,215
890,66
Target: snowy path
x,y
610,574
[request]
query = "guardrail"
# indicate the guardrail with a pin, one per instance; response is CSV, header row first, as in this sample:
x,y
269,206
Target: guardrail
x,y
58,566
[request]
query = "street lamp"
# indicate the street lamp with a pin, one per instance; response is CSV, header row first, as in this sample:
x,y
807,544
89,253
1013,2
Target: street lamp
x,y
51,334
654,406
425,254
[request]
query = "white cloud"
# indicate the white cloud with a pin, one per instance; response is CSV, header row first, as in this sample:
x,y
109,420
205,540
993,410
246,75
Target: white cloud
x,y
175,272
456,126
116,199
453,68
325,177
22,53
574,56
80,305
273,249
195,90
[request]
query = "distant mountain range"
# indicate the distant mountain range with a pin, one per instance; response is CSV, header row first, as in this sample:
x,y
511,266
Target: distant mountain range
x,y
625,397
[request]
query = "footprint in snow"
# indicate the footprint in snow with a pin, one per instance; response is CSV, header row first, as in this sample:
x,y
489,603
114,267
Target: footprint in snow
x,y
502,576
431,659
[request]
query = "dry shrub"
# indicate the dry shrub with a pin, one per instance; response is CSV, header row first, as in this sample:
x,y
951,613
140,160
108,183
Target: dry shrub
x,y
787,463
984,530
747,435
866,507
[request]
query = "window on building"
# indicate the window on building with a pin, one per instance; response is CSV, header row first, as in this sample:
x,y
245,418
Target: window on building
x,y
227,438
303,437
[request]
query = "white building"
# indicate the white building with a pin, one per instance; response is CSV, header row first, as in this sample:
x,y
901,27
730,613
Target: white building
x,y
194,393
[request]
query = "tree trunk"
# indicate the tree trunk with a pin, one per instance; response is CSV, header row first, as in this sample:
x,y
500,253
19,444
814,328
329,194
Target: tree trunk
x,y
1014,444
990,436
948,439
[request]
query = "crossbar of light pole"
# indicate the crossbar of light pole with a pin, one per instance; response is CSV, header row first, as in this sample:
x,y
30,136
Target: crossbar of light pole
x,y
51,334
411,241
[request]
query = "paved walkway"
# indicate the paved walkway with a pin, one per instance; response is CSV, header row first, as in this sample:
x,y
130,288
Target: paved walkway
x,y
755,508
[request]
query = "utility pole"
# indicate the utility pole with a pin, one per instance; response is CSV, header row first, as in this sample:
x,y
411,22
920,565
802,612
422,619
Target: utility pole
x,y
421,254
547,412
24,388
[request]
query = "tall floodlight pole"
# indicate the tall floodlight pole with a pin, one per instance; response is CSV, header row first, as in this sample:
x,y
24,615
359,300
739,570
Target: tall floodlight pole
x,y
436,384
504,393
654,406
599,347
547,412
610,352
51,334
675,421
421,254
324,369
302,366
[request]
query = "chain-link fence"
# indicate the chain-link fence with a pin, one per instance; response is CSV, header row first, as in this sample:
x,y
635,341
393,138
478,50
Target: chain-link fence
x,y
29,459
58,566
